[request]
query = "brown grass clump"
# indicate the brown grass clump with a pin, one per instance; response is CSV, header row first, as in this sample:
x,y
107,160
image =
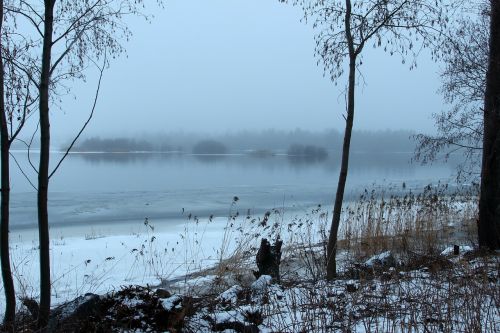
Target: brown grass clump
x,y
410,222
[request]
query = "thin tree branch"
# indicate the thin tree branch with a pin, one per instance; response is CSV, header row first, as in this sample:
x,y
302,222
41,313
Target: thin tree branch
x,y
22,171
29,18
75,22
29,147
61,57
379,26
470,128
23,118
25,71
101,69
40,17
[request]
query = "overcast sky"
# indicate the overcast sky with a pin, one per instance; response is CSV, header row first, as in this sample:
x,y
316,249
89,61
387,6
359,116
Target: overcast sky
x,y
215,66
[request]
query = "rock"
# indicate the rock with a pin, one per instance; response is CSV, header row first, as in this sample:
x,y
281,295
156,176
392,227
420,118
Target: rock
x,y
32,306
261,283
384,259
87,306
351,287
456,249
70,314
236,327
170,303
231,295
162,293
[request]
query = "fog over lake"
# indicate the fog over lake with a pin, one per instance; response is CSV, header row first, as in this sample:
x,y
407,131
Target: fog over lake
x,y
92,189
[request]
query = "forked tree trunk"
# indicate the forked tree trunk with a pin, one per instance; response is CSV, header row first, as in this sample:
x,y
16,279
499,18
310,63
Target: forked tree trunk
x,y
331,265
489,201
43,169
8,283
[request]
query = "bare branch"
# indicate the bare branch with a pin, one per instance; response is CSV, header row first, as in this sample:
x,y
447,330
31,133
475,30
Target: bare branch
x,y
29,18
22,171
29,147
65,53
76,21
101,69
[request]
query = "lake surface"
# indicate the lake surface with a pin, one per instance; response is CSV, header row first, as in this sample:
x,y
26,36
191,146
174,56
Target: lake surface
x,y
97,189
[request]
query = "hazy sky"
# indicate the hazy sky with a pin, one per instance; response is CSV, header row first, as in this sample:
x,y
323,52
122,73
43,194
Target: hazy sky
x,y
214,66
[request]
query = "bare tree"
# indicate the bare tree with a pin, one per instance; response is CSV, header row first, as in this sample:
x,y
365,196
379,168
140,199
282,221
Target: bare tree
x,y
472,87
346,27
66,36
489,199
8,282
464,53
16,106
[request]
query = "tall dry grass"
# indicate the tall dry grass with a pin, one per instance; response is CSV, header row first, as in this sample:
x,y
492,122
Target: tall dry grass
x,y
419,222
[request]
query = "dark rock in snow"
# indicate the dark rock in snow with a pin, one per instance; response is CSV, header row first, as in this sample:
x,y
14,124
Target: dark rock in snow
x,y
74,312
32,306
162,293
382,260
133,308
236,326
351,287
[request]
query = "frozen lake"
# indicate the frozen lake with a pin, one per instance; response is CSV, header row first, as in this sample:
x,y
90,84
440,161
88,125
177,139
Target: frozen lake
x,y
98,204
106,190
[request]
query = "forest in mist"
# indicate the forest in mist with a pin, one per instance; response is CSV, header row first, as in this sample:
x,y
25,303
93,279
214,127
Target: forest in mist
x,y
266,141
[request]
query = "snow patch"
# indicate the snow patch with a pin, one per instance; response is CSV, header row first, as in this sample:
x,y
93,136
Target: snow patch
x,y
384,258
228,316
261,283
230,295
172,302
462,249
132,302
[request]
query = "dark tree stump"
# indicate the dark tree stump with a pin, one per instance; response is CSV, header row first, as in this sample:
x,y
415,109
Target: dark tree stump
x,y
32,306
268,259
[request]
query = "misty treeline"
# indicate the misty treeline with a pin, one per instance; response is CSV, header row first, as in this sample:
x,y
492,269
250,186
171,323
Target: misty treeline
x,y
271,141
116,145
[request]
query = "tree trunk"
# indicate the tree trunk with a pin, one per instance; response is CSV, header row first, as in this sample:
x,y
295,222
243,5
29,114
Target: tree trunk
x,y
331,268
331,264
43,169
268,259
489,201
8,283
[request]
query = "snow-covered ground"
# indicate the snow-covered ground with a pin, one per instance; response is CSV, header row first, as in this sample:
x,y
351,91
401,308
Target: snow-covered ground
x,y
442,293
397,301
101,259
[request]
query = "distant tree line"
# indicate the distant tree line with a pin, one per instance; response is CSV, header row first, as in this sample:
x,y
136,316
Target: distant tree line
x,y
114,145
276,140
309,152
265,141
209,147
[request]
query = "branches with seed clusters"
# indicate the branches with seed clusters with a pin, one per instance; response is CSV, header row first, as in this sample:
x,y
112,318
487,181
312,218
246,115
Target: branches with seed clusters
x,y
399,27
460,128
